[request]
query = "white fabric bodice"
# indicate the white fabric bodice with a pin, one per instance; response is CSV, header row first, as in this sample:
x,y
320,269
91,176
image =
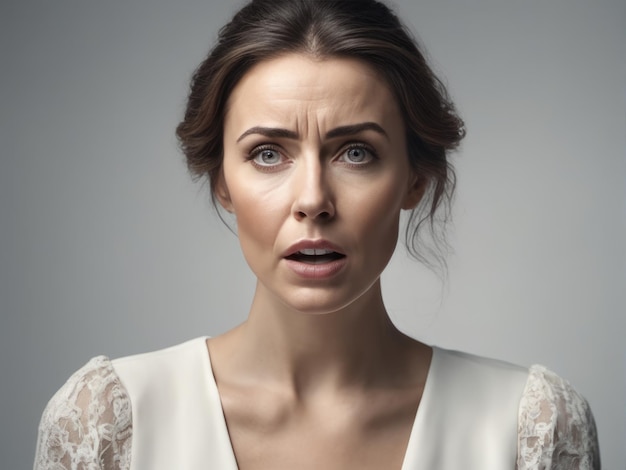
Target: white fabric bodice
x,y
475,413
177,414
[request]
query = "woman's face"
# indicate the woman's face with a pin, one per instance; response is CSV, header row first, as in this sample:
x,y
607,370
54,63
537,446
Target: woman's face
x,y
316,172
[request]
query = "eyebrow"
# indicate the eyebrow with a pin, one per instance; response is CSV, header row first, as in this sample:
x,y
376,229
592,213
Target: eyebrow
x,y
351,129
355,129
271,132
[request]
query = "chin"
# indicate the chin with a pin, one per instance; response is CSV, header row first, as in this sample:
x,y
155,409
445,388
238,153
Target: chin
x,y
314,306
320,302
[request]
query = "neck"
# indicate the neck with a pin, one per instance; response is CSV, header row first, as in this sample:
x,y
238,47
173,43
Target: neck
x,y
351,346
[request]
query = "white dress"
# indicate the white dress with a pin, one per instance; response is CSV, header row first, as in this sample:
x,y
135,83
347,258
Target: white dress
x,y
162,411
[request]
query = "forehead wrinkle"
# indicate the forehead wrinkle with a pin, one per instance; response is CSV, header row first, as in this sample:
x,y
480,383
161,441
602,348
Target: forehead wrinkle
x,y
308,105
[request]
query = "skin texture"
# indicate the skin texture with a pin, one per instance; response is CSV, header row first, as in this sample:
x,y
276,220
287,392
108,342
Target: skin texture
x,y
315,150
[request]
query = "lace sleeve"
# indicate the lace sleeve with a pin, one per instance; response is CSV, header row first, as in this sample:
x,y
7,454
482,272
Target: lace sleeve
x,y
556,427
87,423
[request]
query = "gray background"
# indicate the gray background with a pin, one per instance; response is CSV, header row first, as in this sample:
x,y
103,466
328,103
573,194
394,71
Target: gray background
x,y
106,247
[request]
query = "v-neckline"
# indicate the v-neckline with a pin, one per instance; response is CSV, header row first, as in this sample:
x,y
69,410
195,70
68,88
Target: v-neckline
x,y
217,410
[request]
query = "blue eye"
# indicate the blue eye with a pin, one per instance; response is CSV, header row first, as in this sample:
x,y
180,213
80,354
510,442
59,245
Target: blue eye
x,y
266,156
357,155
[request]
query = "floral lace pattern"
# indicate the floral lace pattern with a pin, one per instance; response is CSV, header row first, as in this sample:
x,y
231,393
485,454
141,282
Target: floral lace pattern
x,y
87,424
556,429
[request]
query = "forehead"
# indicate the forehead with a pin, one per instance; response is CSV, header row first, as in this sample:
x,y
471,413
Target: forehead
x,y
295,88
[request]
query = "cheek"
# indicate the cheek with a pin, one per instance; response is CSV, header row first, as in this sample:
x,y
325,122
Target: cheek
x,y
255,235
377,214
258,214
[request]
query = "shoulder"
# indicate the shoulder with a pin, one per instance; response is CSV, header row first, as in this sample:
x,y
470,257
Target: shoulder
x,y
172,354
87,422
478,371
147,370
556,426
480,393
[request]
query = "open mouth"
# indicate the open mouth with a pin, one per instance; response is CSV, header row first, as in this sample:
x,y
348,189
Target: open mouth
x,y
315,256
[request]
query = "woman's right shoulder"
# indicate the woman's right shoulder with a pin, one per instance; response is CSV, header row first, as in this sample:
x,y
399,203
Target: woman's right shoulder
x,y
87,423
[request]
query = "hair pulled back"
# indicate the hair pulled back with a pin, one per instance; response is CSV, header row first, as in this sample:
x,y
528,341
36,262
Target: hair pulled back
x,y
361,29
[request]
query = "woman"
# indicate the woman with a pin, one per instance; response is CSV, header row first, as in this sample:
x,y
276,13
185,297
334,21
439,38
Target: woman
x,y
317,124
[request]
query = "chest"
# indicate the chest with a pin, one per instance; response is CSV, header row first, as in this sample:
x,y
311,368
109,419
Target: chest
x,y
467,419
359,433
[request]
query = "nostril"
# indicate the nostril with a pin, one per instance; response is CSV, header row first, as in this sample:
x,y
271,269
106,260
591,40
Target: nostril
x,y
323,215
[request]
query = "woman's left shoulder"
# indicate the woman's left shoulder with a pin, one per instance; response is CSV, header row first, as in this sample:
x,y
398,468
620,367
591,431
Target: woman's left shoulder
x,y
556,427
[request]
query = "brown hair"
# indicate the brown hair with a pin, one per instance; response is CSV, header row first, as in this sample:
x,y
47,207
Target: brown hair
x,y
363,29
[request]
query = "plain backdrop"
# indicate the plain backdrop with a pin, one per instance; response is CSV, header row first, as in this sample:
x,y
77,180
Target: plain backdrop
x,y
107,247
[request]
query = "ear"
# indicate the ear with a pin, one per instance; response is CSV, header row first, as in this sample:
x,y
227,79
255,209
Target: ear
x,y
222,194
415,192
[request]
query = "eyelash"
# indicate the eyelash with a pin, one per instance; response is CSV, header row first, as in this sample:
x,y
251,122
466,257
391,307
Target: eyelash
x,y
359,146
256,152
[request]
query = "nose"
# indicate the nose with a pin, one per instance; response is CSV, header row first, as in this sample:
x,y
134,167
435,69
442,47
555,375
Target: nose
x,y
313,195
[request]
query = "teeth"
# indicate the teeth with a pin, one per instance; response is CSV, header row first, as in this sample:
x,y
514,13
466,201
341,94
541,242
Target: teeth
x,y
314,251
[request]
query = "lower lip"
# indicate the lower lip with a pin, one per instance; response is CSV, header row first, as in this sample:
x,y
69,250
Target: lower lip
x,y
316,271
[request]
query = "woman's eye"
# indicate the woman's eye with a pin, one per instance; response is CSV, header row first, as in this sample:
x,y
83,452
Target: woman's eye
x,y
266,157
357,155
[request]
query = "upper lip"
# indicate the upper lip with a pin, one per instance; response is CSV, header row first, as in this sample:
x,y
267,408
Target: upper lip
x,y
319,244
